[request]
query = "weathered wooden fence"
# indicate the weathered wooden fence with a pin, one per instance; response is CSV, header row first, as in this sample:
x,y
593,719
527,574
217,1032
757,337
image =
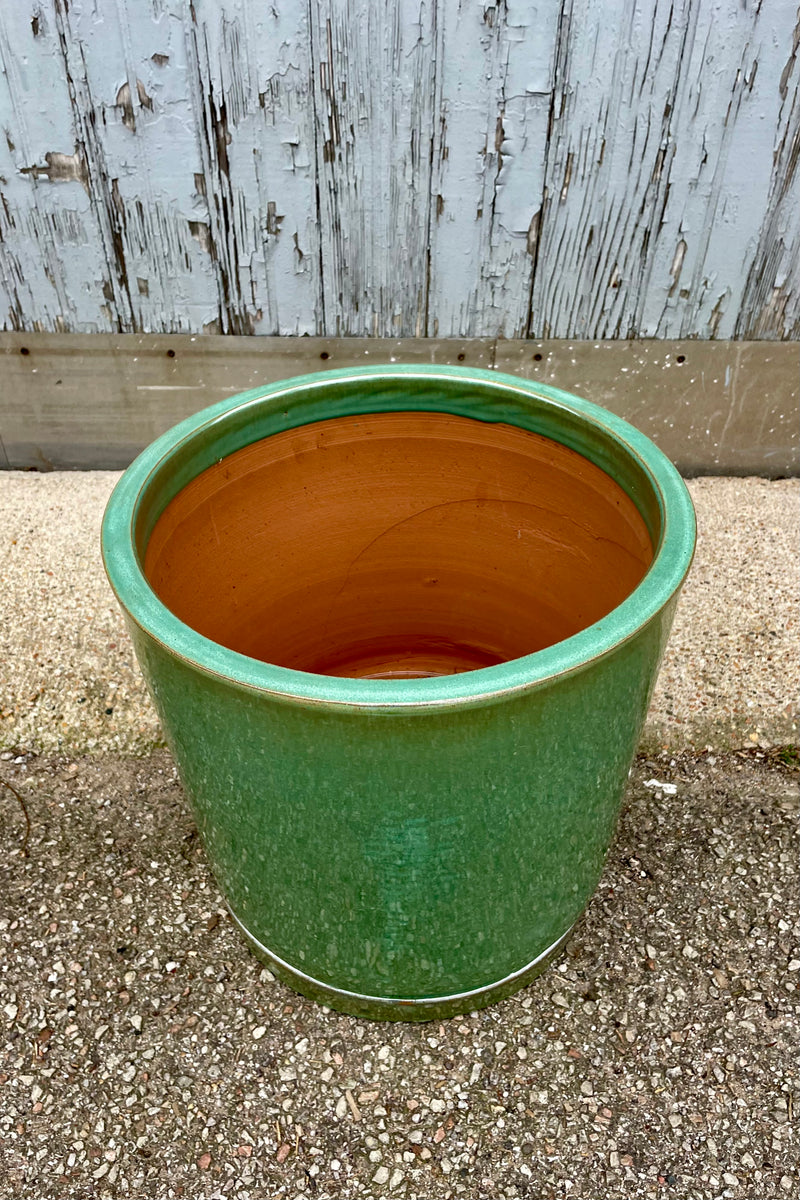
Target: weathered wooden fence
x,y
402,168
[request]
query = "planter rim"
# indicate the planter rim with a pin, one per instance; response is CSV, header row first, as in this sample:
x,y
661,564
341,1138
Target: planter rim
x,y
672,553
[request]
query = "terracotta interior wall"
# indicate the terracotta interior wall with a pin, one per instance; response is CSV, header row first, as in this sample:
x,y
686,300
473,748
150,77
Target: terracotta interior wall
x,y
397,545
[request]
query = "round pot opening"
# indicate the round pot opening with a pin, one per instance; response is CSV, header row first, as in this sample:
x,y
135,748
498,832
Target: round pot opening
x,y
397,545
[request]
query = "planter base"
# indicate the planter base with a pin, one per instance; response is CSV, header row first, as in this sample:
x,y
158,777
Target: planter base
x,y
385,1008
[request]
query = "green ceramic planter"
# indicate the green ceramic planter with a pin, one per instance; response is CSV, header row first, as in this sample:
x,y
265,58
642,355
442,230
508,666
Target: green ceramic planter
x,y
402,847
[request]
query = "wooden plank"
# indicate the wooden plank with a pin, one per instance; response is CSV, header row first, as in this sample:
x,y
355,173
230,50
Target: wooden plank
x,y
494,87
54,259
373,71
250,80
659,169
771,298
128,76
72,401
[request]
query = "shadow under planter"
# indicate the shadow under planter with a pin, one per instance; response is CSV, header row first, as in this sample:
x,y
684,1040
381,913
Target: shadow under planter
x,y
402,625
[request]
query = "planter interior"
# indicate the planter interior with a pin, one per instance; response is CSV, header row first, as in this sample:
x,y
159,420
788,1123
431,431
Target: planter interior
x,y
397,545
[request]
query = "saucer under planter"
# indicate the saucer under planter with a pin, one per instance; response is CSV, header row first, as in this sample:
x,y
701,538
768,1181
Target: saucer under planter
x,y
402,625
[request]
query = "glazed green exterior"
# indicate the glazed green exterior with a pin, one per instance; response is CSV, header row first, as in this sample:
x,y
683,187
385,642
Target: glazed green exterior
x,y
405,849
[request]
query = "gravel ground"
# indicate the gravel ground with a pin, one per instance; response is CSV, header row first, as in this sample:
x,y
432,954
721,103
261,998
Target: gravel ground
x,y
69,684
729,676
146,1053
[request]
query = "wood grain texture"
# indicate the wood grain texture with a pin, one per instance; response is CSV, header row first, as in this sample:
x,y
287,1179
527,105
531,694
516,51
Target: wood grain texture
x,y
770,301
401,168
52,254
488,155
373,104
249,74
660,169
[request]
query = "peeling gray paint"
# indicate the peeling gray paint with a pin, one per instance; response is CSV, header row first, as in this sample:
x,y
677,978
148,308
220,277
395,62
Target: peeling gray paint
x,y
490,136
667,119
373,97
401,168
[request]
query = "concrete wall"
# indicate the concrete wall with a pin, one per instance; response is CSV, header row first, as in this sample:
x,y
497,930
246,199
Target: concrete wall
x,y
401,168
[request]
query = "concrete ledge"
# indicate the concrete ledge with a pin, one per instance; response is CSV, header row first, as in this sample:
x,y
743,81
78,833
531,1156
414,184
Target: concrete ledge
x,y
71,401
69,683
